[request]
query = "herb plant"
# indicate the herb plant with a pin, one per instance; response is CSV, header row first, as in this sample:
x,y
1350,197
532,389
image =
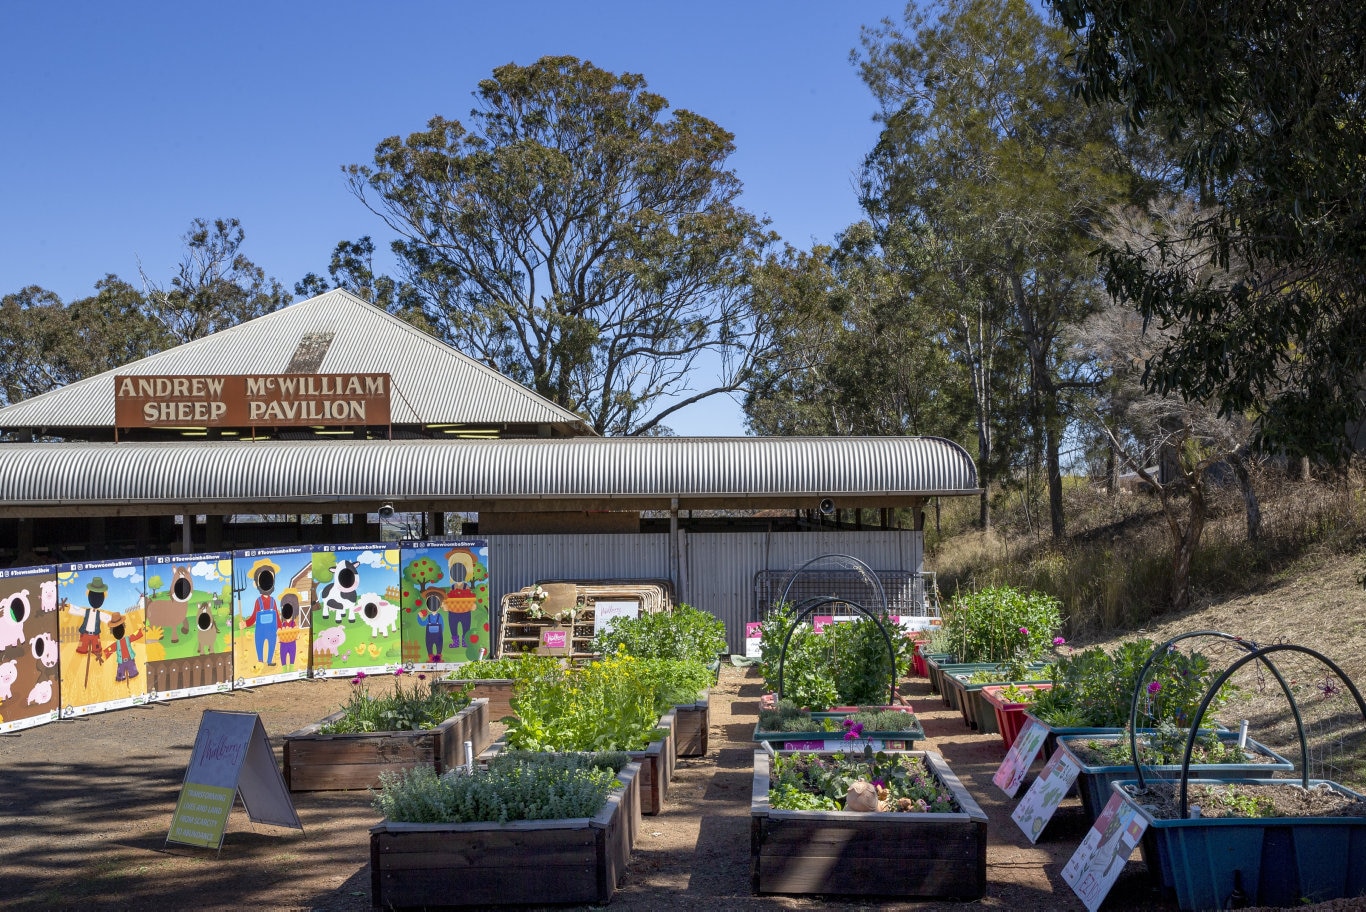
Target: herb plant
x,y
515,787
1166,746
521,669
414,708
845,665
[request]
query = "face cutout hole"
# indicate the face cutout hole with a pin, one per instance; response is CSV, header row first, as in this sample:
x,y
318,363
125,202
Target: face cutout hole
x,y
371,611
117,631
346,578
181,589
18,611
39,646
288,609
96,599
458,573
265,579
205,620
433,602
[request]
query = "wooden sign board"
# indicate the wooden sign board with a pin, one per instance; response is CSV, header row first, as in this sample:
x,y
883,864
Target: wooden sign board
x,y
254,400
231,757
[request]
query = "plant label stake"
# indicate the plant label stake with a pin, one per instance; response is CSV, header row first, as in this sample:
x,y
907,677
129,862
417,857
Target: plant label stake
x,y
1045,794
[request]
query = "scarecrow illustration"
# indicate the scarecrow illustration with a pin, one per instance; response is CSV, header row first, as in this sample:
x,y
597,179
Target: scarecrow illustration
x,y
289,628
265,614
91,618
123,644
460,601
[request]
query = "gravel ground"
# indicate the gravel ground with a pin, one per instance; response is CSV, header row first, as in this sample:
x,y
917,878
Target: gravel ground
x,y
83,821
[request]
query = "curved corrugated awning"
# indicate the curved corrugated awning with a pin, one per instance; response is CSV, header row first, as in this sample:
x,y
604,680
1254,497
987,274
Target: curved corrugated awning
x,y
578,473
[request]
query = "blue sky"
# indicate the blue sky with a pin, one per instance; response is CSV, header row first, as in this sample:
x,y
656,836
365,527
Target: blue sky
x,y
123,121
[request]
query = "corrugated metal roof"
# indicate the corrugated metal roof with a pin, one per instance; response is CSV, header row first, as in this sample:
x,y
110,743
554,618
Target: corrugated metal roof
x,y
639,469
433,383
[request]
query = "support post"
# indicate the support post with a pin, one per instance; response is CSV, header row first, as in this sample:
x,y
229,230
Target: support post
x,y
674,576
186,533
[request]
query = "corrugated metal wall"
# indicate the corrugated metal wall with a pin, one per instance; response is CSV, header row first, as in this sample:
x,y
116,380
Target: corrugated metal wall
x,y
716,568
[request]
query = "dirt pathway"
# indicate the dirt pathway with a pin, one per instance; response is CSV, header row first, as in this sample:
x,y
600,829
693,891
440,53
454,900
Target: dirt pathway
x,y
85,810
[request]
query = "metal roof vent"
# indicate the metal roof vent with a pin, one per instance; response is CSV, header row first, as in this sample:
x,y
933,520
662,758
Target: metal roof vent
x,y
308,357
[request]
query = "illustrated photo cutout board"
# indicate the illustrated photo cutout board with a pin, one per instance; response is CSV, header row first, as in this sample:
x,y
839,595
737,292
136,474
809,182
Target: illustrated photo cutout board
x,y
103,635
445,601
30,691
272,597
189,624
356,615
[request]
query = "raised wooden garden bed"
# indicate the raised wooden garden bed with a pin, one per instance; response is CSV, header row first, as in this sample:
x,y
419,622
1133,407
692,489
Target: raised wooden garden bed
x,y
498,691
526,862
693,722
315,762
869,854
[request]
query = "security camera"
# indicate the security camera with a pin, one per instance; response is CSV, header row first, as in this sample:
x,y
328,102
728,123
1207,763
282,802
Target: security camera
x,y
386,510
827,506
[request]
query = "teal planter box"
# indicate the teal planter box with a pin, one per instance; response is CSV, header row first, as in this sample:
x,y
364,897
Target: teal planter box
x,y
1050,743
1283,861
899,739
1094,782
950,688
932,662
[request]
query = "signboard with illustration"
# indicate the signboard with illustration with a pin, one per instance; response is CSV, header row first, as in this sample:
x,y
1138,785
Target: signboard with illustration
x,y
1045,794
272,598
103,635
444,594
1011,773
356,610
189,624
1095,866
30,690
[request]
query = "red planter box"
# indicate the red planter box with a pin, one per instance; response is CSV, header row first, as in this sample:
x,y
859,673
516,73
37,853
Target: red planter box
x,y
1010,717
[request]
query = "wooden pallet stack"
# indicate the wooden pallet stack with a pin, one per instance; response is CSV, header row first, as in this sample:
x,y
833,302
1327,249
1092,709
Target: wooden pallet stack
x,y
524,624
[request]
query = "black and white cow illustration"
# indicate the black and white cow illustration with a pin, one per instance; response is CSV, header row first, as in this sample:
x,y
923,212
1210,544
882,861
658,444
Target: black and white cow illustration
x,y
340,595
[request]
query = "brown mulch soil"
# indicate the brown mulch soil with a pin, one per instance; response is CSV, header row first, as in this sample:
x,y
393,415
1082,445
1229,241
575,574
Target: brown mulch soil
x,y
87,804
1289,800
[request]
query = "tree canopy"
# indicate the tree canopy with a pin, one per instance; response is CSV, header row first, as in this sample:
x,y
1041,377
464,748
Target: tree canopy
x,y
580,238
1265,106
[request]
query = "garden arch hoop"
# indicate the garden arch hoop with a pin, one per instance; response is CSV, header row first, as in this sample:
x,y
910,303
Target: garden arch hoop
x,y
1250,646
809,606
1255,654
848,562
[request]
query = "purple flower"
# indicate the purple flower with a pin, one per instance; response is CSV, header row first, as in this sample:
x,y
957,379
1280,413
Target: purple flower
x,y
1024,630
1154,687
398,671
879,783
1058,641
422,677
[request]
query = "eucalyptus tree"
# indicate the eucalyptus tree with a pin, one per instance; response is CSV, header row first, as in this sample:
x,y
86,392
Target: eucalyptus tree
x,y
580,237
985,150
1266,105
215,285
46,343
852,355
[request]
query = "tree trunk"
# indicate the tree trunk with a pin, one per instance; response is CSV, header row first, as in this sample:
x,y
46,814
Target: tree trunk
x,y
1055,514
1111,471
1186,545
1254,510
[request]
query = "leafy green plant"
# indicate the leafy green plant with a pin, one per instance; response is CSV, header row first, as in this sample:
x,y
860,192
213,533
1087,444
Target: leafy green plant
x,y
1096,687
1166,746
677,682
998,624
820,782
515,787
606,705
685,633
788,717
519,669
845,665
1013,694
414,708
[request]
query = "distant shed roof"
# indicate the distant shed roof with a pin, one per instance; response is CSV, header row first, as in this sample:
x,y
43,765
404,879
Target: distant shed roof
x,y
335,332
571,473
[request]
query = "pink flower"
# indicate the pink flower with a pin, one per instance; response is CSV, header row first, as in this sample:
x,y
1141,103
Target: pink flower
x,y
1154,687
422,677
399,670
1024,630
1058,641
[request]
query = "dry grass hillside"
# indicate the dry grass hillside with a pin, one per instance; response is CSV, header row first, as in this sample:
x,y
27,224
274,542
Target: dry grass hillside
x,y
1301,583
